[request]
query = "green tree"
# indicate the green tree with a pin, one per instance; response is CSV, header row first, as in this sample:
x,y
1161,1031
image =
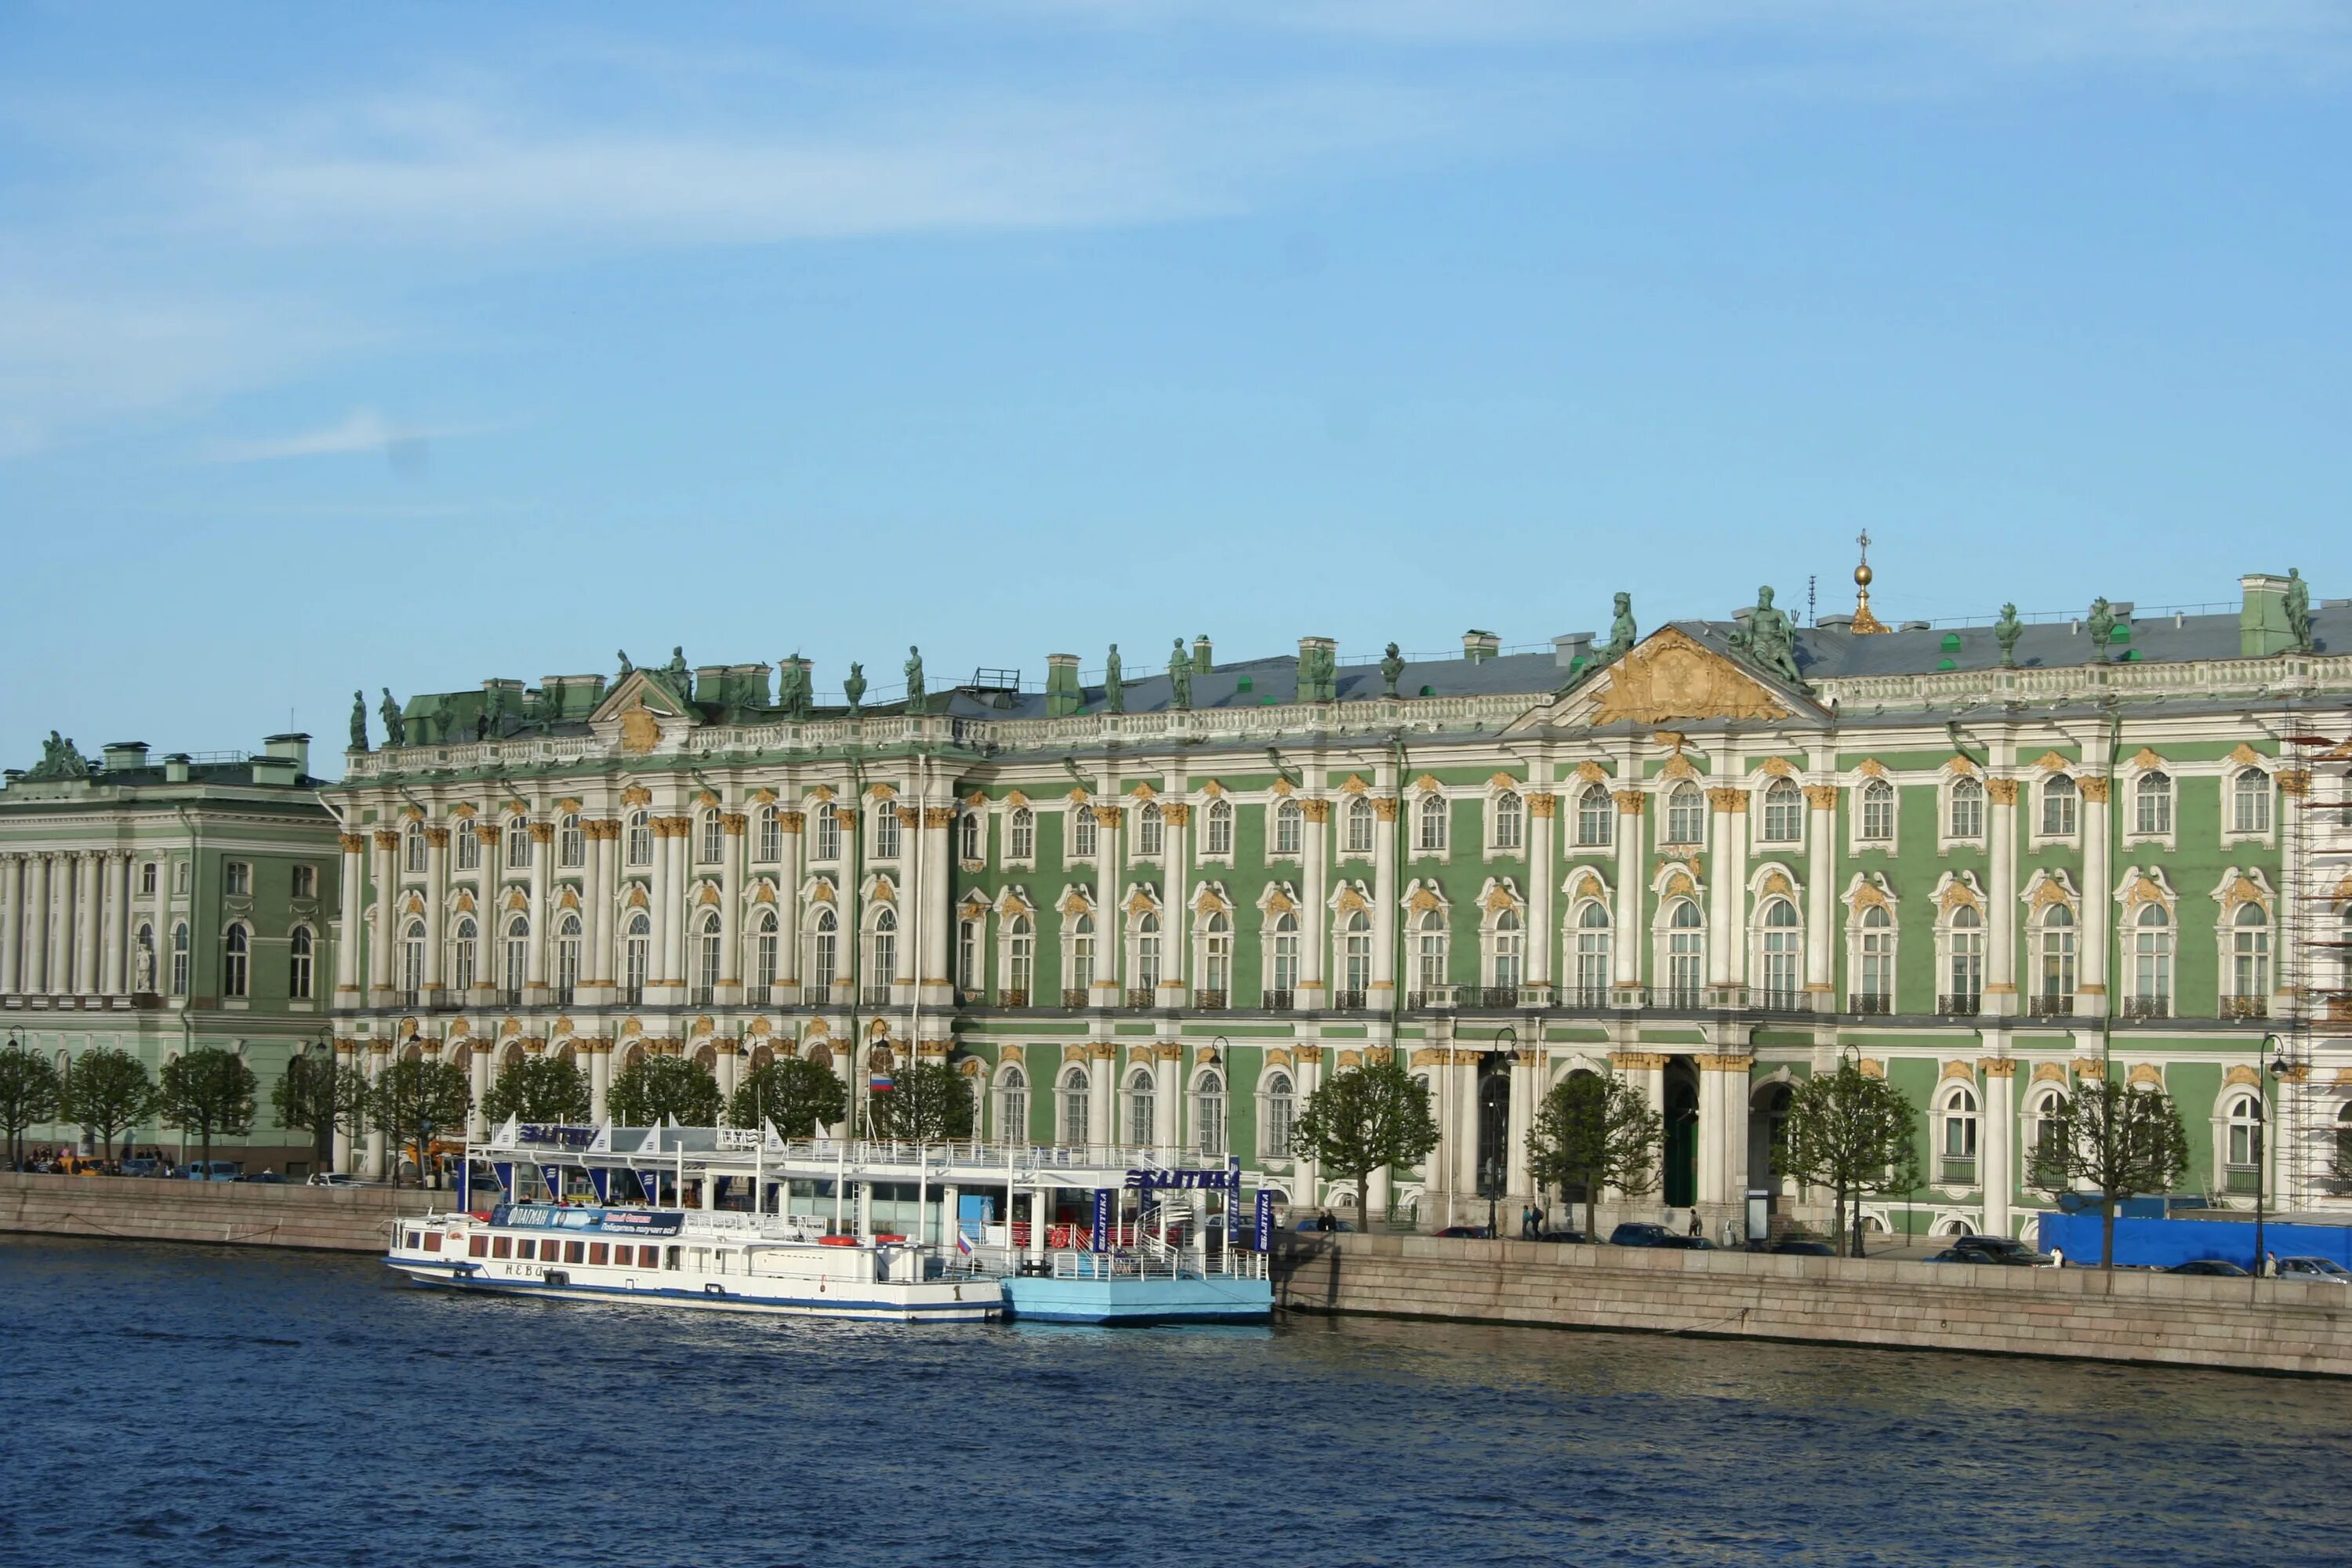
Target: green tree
x,y
414,1102
792,1092
107,1091
653,1088
1594,1131
209,1093
319,1095
29,1094
2117,1141
1365,1119
929,1103
1852,1133
540,1088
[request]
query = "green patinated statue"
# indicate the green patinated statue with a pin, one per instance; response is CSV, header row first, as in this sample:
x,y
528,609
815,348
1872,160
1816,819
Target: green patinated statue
x,y
1114,684
1771,641
2006,631
2298,609
395,729
914,679
626,667
1179,677
855,687
2102,627
358,722
1622,631
1392,670
680,678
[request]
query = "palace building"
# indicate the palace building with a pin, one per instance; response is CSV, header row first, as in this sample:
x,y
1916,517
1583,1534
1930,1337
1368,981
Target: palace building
x,y
1989,861
160,907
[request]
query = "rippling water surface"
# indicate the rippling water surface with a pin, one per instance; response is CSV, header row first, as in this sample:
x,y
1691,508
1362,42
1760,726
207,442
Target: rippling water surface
x,y
213,1406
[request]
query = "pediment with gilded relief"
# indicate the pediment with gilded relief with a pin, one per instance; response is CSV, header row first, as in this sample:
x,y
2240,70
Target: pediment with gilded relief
x,y
640,713
1671,677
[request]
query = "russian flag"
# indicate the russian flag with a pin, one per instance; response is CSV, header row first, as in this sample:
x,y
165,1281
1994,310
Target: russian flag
x,y
880,1083
963,1241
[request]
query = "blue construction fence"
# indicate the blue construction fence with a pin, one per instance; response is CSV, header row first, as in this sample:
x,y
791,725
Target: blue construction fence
x,y
2161,1243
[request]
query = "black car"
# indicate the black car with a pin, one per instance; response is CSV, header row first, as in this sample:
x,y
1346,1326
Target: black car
x,y
2001,1249
1569,1235
1642,1233
1473,1232
1802,1246
2212,1268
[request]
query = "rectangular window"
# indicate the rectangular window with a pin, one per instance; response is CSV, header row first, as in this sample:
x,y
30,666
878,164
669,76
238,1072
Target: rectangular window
x,y
1082,833
503,1246
306,881
236,878
575,1251
470,850
827,840
147,879
180,877
597,1252
477,1246
527,1249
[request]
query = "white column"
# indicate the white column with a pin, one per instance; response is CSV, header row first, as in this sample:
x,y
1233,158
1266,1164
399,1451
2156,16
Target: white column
x,y
1523,1111
1722,1127
1821,897
477,1125
534,964
437,899
937,914
1731,869
730,910
12,920
596,964
1385,913
2099,901
1102,1092
1722,947
347,1060
349,887
2000,929
60,923
788,910
86,909
385,938
599,1077
668,971
118,925
36,925
1998,1171
1175,924
1166,1088
1314,898
379,1057
1543,873
1109,822
1645,1070
1632,936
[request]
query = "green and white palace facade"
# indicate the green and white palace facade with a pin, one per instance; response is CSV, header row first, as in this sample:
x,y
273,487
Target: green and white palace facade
x,y
158,906
1990,862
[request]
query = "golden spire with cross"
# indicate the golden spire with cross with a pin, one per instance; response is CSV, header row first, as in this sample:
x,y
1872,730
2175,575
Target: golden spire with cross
x,y
1864,621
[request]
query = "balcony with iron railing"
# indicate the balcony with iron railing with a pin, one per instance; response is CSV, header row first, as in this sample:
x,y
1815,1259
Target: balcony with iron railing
x,y
2239,1181
1498,995
1956,1171
875,995
1348,1001
757,995
1140,997
2050,1004
2148,1007
1074,997
632,995
1871,1003
1012,996
1586,996
1683,996
1209,1001
1279,1001
700,995
2245,1007
1960,1003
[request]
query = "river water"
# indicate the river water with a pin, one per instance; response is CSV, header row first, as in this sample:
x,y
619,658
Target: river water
x,y
197,1406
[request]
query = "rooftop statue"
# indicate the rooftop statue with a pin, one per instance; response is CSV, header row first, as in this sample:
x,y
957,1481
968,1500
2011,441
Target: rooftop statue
x,y
914,679
855,687
793,687
395,729
1114,684
1179,677
680,677
1771,641
2006,631
59,760
1622,631
358,722
625,667
1391,668
2298,609
2102,627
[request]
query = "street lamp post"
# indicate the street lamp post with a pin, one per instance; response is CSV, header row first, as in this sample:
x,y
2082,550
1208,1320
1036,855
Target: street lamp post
x,y
1494,1172
1852,1052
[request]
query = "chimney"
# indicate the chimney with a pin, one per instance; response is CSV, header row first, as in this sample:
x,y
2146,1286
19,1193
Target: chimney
x,y
1063,696
1478,646
270,768
2263,629
570,696
123,755
1572,650
294,748
175,768
1203,655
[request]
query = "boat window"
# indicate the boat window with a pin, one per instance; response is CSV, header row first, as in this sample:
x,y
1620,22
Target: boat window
x,y
672,1261
526,1247
576,1251
597,1252
502,1247
414,1241
432,1241
478,1246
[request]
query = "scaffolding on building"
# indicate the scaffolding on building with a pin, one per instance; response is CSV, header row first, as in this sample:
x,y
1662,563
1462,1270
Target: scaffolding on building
x,y
2315,1040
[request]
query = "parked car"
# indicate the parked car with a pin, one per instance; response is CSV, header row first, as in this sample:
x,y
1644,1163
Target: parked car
x,y
2212,1268
272,1177
2315,1268
1567,1236
1474,1232
1954,1255
333,1179
1322,1223
2002,1249
145,1165
1642,1233
210,1171
1801,1247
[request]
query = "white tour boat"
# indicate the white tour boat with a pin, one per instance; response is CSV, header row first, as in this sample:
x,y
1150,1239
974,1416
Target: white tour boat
x,y
716,1260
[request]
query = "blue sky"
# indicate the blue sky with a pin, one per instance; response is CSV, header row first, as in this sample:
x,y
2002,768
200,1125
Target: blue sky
x,y
406,346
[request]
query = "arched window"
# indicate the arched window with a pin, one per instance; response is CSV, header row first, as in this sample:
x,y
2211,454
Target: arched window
x,y
1685,814
1510,820
1592,953
1209,1113
1074,1091
1596,817
709,942
1281,1111
571,843
1877,812
2152,805
411,959
412,836
1217,958
236,971
1020,960
518,842
1151,829
2040,1112
884,971
1084,845
1784,812
763,955
1967,956
179,959
970,935
1021,834
768,839
1433,818
1288,828
2250,802
1509,959
1361,820
637,955
464,956
1355,958
1142,1130
641,839
825,950
1876,969
969,828
1784,962
1968,803
1219,839
2151,939
1429,951
300,970
567,955
2056,985
1282,959
1012,1105
1956,1139
825,840
2249,955
886,830
518,954
1082,958
469,846
1685,953
2061,802
2243,1165
1147,953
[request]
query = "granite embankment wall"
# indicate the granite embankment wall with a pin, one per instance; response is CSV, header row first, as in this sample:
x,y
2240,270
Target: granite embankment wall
x,y
334,1220
2077,1313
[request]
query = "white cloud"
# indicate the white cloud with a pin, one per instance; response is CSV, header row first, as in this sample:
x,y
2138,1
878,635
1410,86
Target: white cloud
x,y
363,430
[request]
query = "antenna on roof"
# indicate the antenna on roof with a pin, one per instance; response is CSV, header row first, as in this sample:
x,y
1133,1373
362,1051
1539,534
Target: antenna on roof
x,y
1813,597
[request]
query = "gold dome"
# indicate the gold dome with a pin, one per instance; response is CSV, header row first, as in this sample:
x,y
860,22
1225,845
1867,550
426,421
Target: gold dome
x,y
1861,576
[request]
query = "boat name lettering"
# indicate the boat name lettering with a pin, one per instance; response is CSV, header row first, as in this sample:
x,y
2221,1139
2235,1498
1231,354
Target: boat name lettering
x,y
1206,1181
569,1137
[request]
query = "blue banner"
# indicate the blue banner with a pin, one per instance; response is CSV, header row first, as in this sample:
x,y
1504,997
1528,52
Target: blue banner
x,y
1102,1219
504,1171
465,1184
602,1180
649,1185
553,1176
1189,1181
1263,1238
